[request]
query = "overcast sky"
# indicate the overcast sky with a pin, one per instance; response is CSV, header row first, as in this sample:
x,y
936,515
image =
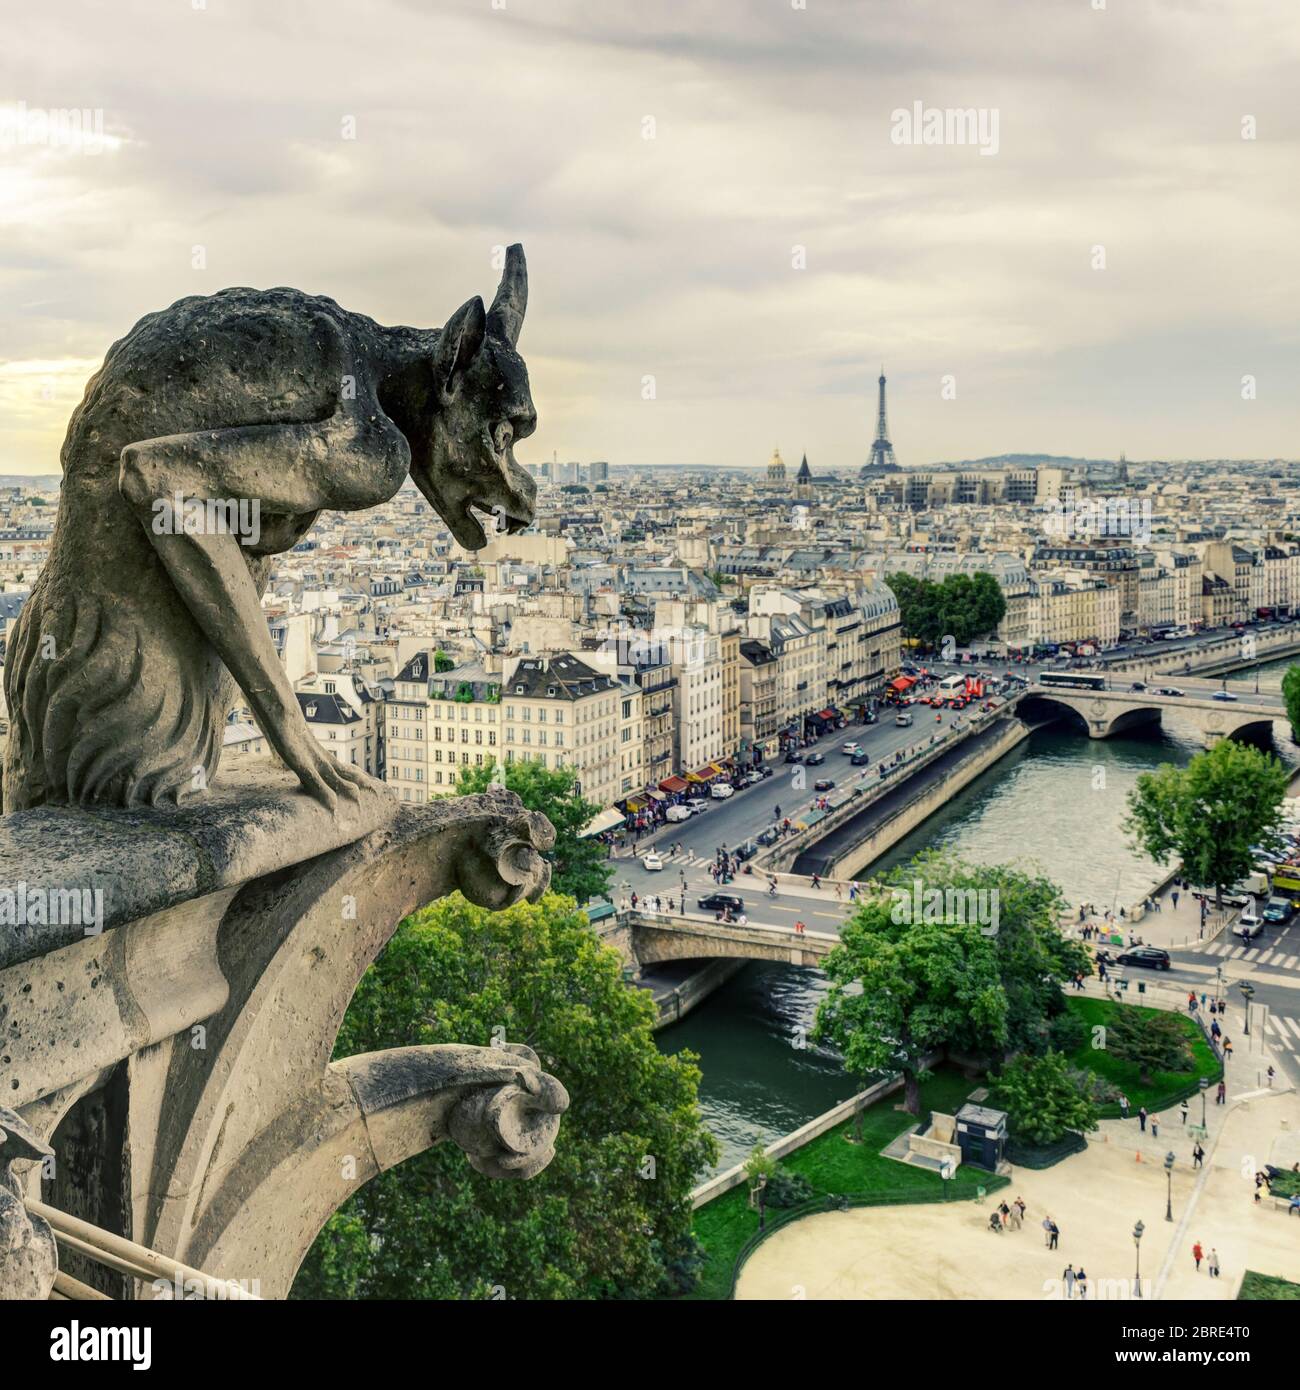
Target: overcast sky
x,y
674,257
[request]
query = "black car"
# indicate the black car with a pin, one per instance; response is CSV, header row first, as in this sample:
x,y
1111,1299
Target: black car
x,y
763,770
1151,956
815,759
721,902
869,718
793,757
823,784
860,759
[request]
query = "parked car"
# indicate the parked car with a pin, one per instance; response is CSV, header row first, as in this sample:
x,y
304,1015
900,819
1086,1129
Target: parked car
x,y
720,791
764,771
652,861
870,717
1223,695
814,759
722,902
904,721
677,813
823,784
1278,910
1151,956
793,757
698,805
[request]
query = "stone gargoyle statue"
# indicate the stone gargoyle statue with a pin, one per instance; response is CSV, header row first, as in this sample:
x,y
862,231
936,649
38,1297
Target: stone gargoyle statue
x,y
209,441
28,1255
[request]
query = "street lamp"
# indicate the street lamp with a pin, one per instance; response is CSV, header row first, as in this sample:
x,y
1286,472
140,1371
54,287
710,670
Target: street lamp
x,y
1169,1186
1205,1086
1137,1258
1247,993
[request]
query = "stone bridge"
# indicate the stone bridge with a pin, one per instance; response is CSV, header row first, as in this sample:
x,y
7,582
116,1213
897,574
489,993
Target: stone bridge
x,y
1107,712
662,936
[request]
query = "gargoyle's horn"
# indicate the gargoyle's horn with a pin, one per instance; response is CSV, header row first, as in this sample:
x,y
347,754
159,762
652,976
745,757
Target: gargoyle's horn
x,y
506,316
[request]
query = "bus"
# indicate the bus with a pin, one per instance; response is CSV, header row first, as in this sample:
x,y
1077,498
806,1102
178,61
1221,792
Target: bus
x,y
952,685
1072,680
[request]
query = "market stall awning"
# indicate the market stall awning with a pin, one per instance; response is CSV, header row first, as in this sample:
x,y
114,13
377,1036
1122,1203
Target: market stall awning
x,y
902,683
673,784
828,714
635,803
606,820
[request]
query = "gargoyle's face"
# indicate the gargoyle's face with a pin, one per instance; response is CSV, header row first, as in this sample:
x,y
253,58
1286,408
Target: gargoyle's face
x,y
465,463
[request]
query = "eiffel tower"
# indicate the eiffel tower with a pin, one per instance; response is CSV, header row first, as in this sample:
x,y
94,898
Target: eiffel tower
x,y
882,458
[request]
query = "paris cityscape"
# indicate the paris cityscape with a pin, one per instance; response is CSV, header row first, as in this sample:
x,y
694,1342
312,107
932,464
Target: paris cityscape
x,y
757,758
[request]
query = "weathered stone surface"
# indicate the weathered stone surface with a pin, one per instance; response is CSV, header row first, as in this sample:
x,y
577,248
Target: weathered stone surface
x,y
212,437
28,1259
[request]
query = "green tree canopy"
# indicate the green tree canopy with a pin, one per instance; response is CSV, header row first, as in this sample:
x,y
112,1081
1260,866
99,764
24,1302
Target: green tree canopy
x,y
962,606
1044,1098
611,1215
1290,693
1209,813
579,866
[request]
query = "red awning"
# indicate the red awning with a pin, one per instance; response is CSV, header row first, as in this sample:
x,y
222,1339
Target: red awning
x,y
828,714
672,784
902,683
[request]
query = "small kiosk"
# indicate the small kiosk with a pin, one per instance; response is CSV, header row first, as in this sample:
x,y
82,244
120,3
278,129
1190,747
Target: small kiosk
x,y
981,1136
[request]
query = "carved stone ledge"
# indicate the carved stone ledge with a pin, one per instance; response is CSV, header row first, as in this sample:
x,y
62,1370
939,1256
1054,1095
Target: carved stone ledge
x,y
234,938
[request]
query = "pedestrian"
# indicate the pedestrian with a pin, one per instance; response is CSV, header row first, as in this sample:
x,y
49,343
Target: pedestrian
x,y
1054,1237
839,890
1270,1078
1227,1048
1215,1031
1191,1001
1082,1280
1214,1263
1174,896
816,881
799,929
1005,1212
1019,1205
1155,1126
1068,1279
1214,1009
1183,1110
1142,1119
1198,1156
1221,1095
1047,1231
1123,1106
633,902
1198,1255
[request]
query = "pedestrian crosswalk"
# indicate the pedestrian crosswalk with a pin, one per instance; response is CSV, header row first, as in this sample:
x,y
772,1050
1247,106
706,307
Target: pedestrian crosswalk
x,y
1285,1031
1230,948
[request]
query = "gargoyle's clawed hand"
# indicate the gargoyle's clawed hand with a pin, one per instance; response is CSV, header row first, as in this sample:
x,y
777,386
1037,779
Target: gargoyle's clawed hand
x,y
338,787
508,1129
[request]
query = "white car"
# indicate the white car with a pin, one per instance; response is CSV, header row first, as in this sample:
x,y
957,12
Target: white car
x,y
1248,925
851,748
652,862
720,791
677,813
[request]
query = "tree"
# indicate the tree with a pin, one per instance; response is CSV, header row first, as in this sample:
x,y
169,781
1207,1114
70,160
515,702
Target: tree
x,y
1290,693
579,864
1044,1099
611,1215
1151,1041
1209,813
442,662
963,606
897,995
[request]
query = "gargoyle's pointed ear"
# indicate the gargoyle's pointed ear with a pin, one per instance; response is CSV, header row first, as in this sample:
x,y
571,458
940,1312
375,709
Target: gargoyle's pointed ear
x,y
458,345
506,316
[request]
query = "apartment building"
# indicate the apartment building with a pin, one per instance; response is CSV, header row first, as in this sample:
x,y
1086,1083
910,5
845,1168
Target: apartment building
x,y
696,656
1073,606
437,722
562,712
759,696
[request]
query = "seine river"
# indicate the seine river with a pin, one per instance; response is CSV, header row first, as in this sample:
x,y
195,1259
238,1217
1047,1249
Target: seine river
x,y
1056,803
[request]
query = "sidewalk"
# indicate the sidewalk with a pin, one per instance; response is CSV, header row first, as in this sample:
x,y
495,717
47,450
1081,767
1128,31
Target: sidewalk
x,y
1169,927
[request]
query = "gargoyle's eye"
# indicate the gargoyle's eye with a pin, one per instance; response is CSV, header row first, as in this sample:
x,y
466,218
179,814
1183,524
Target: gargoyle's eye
x,y
503,435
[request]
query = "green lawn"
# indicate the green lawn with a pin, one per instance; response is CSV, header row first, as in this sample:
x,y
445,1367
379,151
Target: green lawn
x,y
833,1165
1267,1288
1099,1012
